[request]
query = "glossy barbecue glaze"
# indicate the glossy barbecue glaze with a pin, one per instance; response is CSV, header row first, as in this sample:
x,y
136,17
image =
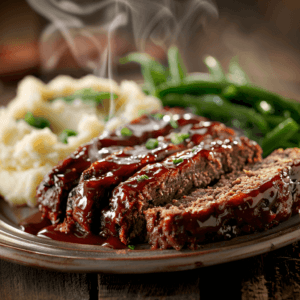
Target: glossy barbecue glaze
x,y
157,184
52,193
243,202
94,189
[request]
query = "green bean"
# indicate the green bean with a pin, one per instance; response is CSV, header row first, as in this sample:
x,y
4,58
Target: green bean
x,y
215,69
197,87
281,133
176,66
288,144
153,72
273,121
237,74
215,107
249,94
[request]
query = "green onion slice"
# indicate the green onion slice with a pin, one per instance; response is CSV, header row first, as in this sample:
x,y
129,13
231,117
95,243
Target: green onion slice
x,y
177,161
151,144
126,132
63,137
37,122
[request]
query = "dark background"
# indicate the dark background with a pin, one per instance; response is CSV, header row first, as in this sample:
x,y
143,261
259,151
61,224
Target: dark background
x,y
264,35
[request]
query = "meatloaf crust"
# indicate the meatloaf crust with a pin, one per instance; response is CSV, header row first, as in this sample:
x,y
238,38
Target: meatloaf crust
x,y
92,193
255,199
53,192
158,184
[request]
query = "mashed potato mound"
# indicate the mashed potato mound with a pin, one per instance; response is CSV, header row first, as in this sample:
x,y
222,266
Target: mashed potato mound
x,y
28,153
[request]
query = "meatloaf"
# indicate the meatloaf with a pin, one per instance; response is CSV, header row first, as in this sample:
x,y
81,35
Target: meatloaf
x,y
254,199
53,192
158,184
92,193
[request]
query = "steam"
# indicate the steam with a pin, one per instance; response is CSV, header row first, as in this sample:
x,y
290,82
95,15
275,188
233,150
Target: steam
x,y
86,28
82,24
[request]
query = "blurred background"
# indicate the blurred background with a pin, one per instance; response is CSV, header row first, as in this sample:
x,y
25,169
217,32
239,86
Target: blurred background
x,y
263,35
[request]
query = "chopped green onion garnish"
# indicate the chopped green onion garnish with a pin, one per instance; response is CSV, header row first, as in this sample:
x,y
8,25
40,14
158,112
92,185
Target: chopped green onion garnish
x,y
37,122
131,247
142,177
179,138
177,161
152,144
173,123
158,116
91,95
126,132
63,137
142,112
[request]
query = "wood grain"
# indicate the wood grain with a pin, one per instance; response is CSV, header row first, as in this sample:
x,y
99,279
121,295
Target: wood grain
x,y
177,286
21,282
275,275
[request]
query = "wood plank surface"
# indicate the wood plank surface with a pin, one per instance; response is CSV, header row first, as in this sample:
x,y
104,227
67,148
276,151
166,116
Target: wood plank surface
x,y
275,275
19,282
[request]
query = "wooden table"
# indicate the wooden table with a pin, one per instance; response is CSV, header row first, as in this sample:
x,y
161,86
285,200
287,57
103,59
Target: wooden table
x,y
275,275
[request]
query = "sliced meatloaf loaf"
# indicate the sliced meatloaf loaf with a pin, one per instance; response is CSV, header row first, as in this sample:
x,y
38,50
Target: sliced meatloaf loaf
x,y
96,183
255,199
53,192
158,184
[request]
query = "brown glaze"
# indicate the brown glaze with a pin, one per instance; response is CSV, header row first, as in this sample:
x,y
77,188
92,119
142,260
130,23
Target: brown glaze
x,y
52,193
78,237
238,211
34,223
175,176
96,183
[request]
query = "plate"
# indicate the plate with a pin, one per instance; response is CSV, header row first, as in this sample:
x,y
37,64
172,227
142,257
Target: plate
x,y
20,247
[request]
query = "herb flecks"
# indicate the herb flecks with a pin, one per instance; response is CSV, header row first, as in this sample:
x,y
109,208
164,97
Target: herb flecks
x,y
158,116
142,178
151,144
178,138
131,247
177,161
174,123
90,95
126,131
37,122
63,137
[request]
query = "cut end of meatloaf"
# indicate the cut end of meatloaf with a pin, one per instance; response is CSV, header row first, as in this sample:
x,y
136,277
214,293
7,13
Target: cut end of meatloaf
x,y
254,199
158,184
53,192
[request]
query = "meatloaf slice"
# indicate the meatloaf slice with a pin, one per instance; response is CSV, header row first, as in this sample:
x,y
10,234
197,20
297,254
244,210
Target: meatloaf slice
x,y
255,199
158,184
53,192
96,183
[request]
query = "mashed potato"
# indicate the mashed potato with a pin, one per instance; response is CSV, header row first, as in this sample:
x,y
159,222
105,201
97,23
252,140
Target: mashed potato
x,y
28,153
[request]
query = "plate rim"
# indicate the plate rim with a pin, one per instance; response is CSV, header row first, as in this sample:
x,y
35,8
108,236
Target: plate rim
x,y
26,249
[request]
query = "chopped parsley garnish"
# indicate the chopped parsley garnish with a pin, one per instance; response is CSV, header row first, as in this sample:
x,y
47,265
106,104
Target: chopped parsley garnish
x,y
142,177
158,116
151,144
179,138
126,132
173,123
89,95
142,112
37,122
177,161
63,137
131,247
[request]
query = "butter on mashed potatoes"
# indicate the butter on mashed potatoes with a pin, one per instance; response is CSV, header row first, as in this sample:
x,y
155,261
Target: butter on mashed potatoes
x,y
28,153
